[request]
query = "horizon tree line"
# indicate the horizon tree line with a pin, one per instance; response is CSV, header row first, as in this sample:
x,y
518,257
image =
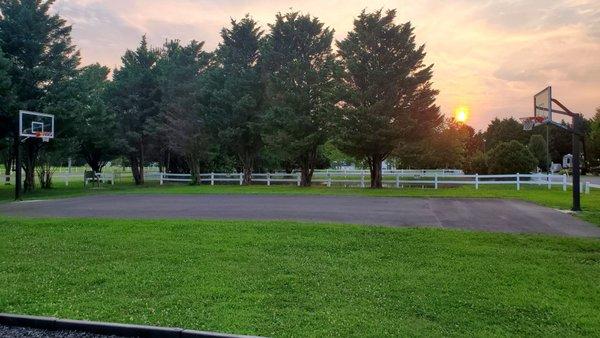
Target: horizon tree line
x,y
263,100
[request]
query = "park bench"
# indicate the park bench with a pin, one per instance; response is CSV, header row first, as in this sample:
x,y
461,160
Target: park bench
x,y
97,178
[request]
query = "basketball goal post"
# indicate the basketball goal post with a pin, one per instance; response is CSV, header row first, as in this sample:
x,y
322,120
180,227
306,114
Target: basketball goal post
x,y
543,110
32,125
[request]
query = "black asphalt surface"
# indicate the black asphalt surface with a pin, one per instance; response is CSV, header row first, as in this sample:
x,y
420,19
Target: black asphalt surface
x,y
26,332
475,214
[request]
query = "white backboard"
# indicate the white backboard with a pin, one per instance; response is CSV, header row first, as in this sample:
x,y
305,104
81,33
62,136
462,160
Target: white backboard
x,y
36,125
542,104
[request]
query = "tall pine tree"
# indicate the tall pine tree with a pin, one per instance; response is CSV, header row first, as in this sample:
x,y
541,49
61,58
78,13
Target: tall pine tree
x,y
42,56
389,100
6,102
183,122
235,93
300,69
135,96
85,118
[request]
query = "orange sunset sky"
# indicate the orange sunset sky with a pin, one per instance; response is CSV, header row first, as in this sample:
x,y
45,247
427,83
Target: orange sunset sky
x,y
489,56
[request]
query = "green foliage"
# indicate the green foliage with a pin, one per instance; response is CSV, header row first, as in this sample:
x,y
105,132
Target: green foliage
x,y
300,69
42,56
135,98
446,148
505,130
234,94
85,118
511,157
593,140
335,156
182,122
537,146
477,164
6,98
389,100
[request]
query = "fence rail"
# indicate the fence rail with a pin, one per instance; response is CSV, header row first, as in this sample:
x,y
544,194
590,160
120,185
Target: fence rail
x,y
397,179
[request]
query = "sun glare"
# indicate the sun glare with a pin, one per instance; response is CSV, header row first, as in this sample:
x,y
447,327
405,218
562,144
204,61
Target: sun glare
x,y
461,114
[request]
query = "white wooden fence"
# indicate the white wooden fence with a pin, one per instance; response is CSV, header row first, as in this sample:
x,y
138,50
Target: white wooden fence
x,y
354,179
397,179
446,172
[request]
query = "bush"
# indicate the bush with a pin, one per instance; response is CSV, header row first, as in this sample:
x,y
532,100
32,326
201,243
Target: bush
x,y
477,164
537,146
511,158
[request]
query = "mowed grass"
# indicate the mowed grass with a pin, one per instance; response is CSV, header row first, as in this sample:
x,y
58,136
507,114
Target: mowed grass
x,y
554,198
300,279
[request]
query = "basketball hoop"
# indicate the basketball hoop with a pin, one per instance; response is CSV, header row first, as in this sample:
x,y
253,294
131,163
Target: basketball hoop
x,y
532,121
44,136
36,125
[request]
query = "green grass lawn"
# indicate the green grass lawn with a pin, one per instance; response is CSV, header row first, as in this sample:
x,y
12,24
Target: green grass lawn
x,y
300,279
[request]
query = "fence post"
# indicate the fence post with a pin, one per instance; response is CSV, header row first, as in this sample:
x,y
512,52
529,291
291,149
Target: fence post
x,y
476,181
518,181
112,180
587,188
212,178
436,181
549,181
268,179
362,180
397,180
241,178
160,175
67,179
328,179
564,182
299,178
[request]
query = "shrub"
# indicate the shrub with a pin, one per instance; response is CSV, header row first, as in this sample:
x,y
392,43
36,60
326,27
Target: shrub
x,y
477,164
510,158
537,146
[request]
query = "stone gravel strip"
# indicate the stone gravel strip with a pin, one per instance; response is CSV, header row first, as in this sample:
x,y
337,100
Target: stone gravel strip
x,y
34,326
26,332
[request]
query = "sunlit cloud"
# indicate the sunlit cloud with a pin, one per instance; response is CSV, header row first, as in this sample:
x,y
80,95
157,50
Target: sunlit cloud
x,y
491,56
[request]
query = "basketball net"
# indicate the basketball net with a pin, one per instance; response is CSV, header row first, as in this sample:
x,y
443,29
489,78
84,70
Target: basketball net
x,y
532,121
43,135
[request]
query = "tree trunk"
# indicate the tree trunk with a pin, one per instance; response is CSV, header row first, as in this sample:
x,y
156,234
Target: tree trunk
x,y
375,168
194,166
30,162
17,154
248,167
8,161
95,165
141,163
307,169
135,169
306,176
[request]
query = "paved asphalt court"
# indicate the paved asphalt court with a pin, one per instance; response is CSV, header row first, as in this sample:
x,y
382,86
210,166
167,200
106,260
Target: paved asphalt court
x,y
475,214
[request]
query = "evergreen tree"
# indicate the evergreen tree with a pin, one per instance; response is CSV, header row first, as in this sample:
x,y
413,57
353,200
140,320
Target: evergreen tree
x,y
183,122
85,119
135,97
537,146
389,99
235,93
511,158
593,141
38,45
505,130
6,98
300,69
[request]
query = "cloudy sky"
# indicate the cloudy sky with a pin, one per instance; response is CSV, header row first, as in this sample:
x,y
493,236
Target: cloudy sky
x,y
489,56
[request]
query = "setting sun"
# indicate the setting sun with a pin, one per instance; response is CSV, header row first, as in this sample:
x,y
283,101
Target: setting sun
x,y
461,114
